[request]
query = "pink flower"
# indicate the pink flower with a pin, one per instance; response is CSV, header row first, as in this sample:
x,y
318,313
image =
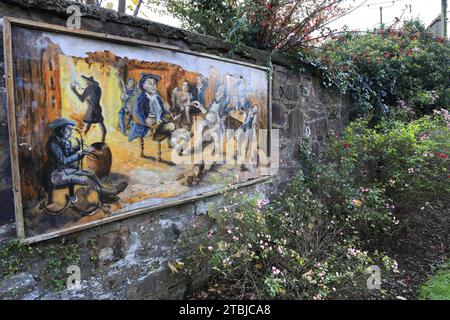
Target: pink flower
x,y
261,203
352,252
275,271
309,273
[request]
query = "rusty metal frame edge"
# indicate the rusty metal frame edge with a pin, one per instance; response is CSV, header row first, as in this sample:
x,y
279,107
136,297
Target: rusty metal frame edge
x,y
8,22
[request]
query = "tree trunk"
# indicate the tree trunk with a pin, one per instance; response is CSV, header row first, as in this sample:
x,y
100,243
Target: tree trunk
x,y
122,6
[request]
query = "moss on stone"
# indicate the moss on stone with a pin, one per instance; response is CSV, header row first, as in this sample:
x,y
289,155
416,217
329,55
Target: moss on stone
x,y
13,257
16,258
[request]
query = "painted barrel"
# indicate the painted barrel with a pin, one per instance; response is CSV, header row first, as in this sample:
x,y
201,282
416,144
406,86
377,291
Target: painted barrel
x,y
100,161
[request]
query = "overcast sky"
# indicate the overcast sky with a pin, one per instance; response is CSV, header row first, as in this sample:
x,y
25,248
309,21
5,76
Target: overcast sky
x,y
368,15
365,17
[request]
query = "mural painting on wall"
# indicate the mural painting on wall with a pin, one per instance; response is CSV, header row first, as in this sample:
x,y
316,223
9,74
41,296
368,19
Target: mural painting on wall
x,y
106,129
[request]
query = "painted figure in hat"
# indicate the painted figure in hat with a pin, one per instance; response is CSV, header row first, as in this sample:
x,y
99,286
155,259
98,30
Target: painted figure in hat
x,y
92,95
65,154
128,97
150,113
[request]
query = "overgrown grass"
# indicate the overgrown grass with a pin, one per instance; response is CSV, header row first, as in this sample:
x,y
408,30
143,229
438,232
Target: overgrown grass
x,y
438,286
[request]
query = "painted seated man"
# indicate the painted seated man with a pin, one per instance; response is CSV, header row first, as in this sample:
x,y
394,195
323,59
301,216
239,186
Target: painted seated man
x,y
150,113
92,94
65,154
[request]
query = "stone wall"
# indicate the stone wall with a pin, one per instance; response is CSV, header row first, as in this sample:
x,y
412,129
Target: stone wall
x,y
129,259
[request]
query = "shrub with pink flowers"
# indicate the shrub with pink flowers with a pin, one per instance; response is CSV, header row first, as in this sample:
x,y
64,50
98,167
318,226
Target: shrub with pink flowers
x,y
407,163
293,247
317,238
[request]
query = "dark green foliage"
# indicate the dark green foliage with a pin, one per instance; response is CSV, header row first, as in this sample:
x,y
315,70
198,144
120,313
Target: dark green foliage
x,y
387,69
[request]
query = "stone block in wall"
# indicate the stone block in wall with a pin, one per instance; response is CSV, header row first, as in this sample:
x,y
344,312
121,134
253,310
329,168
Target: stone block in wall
x,y
296,124
307,85
21,284
320,110
312,129
159,235
279,80
315,147
345,106
278,114
291,91
162,285
312,114
321,129
110,247
328,96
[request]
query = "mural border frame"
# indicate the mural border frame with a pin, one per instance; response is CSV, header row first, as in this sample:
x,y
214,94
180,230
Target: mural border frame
x,y
8,22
